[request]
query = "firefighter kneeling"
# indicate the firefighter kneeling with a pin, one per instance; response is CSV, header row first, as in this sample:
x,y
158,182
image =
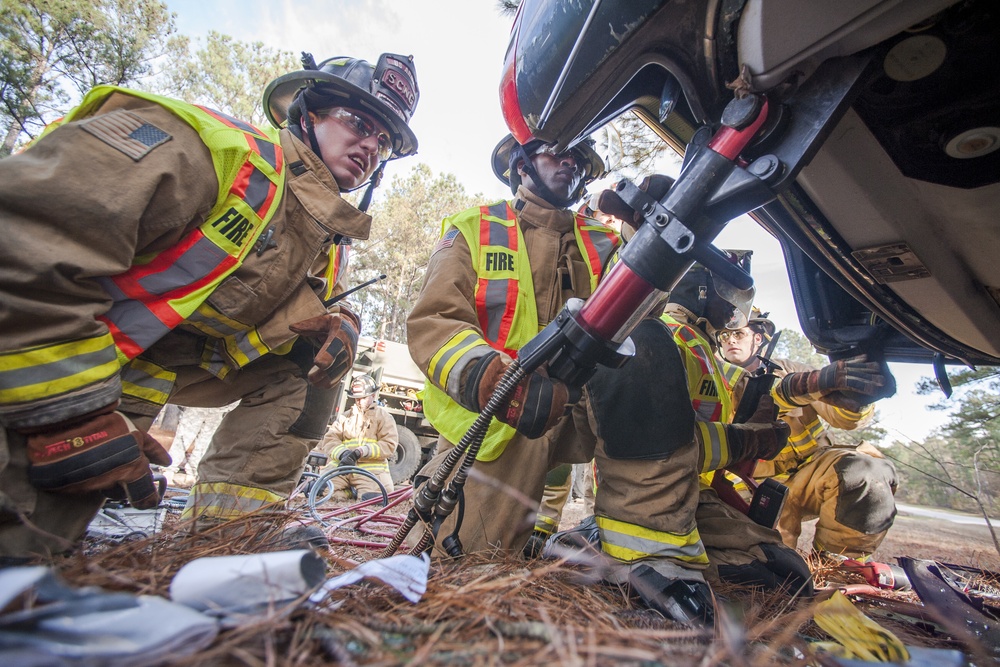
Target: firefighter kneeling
x,y
365,437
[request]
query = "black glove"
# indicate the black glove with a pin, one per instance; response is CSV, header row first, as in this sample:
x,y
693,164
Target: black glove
x,y
349,457
609,202
763,436
336,337
101,451
850,384
533,408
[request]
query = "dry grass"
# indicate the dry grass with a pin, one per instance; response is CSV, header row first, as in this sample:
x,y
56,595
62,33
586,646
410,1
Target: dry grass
x,y
480,611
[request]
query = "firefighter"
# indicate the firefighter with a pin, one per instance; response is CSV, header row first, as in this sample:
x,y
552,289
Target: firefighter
x,y
366,437
161,251
849,488
737,549
498,274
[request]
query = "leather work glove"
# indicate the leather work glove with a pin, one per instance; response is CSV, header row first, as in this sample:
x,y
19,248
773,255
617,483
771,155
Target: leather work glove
x,y
608,201
533,408
101,451
336,337
349,457
850,384
762,436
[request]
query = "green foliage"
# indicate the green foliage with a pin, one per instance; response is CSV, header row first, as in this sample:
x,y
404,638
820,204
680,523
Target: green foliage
x,y
631,149
965,452
407,223
793,345
227,75
52,51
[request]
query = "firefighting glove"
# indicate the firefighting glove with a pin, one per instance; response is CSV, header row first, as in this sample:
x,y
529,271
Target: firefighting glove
x,y
762,436
535,405
349,457
609,202
101,451
336,336
850,384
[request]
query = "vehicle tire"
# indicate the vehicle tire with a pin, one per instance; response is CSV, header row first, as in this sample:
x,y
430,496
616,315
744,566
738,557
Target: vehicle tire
x,y
407,457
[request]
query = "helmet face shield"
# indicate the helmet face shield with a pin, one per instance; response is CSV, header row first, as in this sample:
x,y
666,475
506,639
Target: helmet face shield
x,y
740,300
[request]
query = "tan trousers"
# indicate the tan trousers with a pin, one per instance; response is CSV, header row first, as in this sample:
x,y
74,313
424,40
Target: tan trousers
x,y
343,484
252,447
850,492
502,496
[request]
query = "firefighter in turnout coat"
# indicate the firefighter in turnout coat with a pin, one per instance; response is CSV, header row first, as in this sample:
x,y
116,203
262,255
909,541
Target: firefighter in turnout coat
x,y
161,251
365,436
849,488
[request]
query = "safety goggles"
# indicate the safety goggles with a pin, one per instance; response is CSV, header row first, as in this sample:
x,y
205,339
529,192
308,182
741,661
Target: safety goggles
x,y
737,335
362,128
583,164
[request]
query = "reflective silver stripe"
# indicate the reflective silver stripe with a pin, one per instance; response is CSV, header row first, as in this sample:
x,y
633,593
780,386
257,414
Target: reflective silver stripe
x,y
706,409
730,372
56,370
258,187
137,322
496,306
712,446
221,329
222,504
499,234
442,362
214,363
192,265
455,376
136,376
498,210
603,244
687,552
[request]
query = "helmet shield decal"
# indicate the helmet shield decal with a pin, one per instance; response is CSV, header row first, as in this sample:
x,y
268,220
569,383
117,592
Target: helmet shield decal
x,y
395,84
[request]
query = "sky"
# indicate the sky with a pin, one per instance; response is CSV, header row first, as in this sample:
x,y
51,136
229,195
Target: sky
x,y
458,48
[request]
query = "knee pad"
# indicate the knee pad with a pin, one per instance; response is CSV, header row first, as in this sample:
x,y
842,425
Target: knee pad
x,y
370,495
784,569
865,500
653,385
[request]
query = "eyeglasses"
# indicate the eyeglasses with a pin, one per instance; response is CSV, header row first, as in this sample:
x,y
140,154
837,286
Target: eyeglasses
x,y
583,165
362,128
737,335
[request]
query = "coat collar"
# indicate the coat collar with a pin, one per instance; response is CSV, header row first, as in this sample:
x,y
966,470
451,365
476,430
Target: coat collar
x,y
534,211
314,186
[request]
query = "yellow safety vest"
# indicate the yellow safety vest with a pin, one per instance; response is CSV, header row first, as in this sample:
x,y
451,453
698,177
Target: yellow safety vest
x,y
505,305
163,289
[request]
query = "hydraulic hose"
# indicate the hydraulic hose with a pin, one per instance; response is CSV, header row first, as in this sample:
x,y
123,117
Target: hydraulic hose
x,y
433,502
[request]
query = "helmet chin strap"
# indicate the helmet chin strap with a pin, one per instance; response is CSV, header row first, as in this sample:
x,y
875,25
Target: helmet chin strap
x,y
310,128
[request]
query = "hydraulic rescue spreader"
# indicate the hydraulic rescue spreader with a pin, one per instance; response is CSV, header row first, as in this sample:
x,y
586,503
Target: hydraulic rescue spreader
x,y
674,234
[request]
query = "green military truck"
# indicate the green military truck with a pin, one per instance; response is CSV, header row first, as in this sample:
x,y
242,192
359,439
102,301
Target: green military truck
x,y
399,380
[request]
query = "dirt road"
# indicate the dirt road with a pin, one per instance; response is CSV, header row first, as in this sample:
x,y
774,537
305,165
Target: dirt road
x,y
930,537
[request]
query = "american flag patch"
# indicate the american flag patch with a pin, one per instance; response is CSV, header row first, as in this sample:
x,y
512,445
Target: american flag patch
x,y
446,241
126,132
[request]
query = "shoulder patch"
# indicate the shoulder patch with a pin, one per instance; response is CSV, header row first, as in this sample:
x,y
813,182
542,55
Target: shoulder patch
x,y
126,132
447,240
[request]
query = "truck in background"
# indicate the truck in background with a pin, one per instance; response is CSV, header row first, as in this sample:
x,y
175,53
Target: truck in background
x,y
399,380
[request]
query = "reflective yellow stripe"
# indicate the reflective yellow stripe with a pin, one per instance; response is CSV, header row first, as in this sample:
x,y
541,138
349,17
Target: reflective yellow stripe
x,y
628,542
147,381
545,524
450,353
222,500
374,466
50,370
